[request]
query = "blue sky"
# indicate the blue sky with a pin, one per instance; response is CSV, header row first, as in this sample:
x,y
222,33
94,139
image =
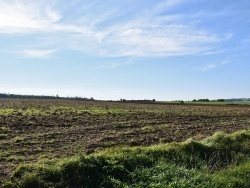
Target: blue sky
x,y
133,49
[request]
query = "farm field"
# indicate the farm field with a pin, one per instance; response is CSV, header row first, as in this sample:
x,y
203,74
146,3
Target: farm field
x,y
34,130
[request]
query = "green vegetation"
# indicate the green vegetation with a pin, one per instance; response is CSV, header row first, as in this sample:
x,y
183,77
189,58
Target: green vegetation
x,y
218,161
219,103
55,130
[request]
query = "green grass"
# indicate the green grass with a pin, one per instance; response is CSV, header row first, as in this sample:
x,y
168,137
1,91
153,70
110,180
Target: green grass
x,y
52,130
221,103
206,103
237,176
218,161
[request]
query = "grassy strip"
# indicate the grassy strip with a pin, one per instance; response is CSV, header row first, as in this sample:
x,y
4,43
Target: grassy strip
x,y
218,161
209,103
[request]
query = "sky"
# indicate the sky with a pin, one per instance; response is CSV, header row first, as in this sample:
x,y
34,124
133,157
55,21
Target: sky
x,y
130,49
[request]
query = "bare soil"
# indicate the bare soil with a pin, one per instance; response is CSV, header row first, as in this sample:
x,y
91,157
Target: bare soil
x,y
33,130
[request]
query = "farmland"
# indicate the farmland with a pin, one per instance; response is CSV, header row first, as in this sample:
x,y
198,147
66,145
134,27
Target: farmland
x,y
35,130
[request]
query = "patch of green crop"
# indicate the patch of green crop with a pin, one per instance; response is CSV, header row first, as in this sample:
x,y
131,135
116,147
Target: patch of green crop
x,y
4,154
32,111
4,130
6,111
18,139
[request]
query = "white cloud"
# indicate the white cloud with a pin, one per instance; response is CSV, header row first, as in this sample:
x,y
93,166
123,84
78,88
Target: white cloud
x,y
18,17
213,65
151,35
37,54
165,5
140,39
209,66
141,35
117,63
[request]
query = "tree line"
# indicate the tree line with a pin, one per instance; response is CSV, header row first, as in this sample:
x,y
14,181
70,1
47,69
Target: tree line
x,y
18,96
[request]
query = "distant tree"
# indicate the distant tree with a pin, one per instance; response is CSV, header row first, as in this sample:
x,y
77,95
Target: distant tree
x,y
221,100
203,100
3,95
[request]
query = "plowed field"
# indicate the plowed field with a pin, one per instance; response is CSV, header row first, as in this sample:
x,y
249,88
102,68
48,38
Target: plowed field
x,y
32,130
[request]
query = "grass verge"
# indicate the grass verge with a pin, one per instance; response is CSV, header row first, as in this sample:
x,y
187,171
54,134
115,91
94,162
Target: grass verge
x,y
218,161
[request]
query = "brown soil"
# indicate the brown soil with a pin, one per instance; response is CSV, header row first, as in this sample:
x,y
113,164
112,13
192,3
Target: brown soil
x,y
51,129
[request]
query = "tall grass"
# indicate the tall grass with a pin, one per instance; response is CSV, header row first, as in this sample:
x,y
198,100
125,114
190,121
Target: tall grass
x,y
207,163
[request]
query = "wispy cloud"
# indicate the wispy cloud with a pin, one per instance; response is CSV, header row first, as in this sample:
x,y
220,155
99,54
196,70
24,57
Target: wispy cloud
x,y
136,39
25,17
38,54
150,35
17,17
111,64
145,33
213,65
